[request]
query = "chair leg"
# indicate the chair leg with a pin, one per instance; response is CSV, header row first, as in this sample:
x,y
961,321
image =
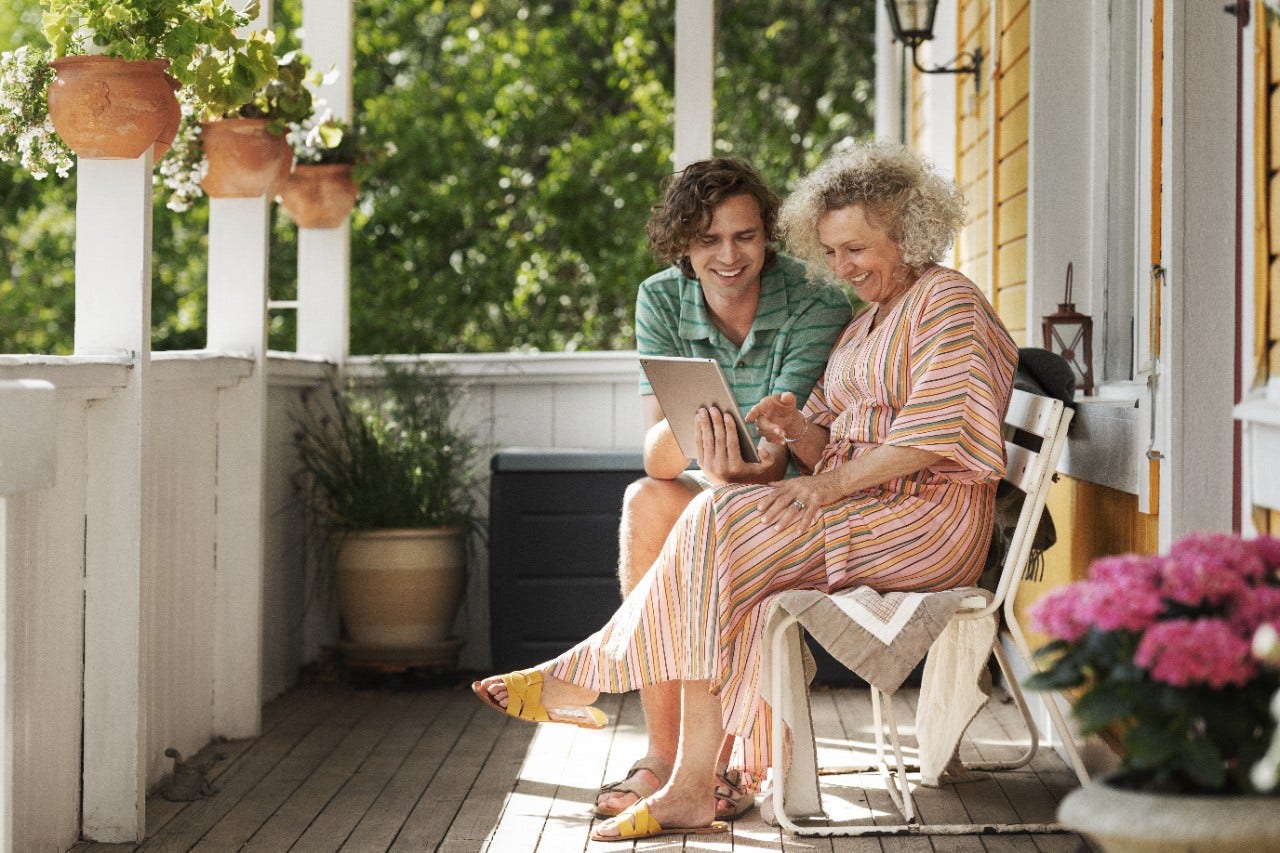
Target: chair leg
x,y
1019,700
902,794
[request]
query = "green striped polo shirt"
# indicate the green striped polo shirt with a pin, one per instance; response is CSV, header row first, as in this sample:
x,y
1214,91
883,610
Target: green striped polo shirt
x,y
797,323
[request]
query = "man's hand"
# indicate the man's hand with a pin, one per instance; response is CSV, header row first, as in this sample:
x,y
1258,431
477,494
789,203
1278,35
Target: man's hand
x,y
720,455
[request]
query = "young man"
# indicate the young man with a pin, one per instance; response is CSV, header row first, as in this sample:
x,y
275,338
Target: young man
x,y
730,297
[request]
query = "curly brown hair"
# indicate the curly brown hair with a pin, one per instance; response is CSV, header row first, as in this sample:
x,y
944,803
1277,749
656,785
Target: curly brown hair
x,y
691,198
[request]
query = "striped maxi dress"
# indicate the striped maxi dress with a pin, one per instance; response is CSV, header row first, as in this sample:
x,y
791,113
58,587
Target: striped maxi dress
x,y
934,374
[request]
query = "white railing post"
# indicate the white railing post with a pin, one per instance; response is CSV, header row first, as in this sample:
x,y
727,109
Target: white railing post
x,y
324,254
238,248
694,87
113,319
27,458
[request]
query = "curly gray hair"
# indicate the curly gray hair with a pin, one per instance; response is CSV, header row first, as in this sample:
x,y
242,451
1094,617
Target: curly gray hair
x,y
898,190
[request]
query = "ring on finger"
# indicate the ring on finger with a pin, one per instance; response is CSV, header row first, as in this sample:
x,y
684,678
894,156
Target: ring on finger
x,y
798,504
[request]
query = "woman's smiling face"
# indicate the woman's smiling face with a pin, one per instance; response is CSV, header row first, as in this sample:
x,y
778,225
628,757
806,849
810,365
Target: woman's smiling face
x,y
862,254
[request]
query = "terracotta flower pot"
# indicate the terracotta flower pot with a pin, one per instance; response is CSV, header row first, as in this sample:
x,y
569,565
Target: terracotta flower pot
x,y
319,196
244,159
112,109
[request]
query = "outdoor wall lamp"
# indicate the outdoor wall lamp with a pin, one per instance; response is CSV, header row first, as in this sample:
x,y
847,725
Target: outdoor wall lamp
x,y
912,22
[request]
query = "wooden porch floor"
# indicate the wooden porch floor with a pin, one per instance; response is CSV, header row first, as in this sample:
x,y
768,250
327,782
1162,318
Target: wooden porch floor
x,y
426,769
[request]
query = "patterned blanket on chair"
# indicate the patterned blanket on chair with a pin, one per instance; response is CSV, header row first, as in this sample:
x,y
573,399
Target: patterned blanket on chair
x,y
879,637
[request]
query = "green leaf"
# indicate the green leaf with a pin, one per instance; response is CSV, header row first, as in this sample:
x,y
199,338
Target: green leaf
x,y
1203,762
1100,707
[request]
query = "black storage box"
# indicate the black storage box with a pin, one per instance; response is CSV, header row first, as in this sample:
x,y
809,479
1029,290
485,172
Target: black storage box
x,y
553,548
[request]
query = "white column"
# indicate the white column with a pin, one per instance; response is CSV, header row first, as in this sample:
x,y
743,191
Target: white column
x,y
113,317
889,88
27,458
694,87
1198,302
238,248
326,27
324,254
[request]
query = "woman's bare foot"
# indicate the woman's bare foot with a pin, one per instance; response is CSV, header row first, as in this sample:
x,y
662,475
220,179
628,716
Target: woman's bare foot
x,y
672,806
642,781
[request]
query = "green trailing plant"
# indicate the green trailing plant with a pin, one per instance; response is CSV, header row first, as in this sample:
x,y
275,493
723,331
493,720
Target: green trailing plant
x,y
176,30
388,455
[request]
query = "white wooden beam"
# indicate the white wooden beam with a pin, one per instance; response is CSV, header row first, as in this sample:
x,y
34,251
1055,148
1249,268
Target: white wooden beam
x,y
1198,302
324,271
113,317
326,27
324,254
27,458
694,86
238,249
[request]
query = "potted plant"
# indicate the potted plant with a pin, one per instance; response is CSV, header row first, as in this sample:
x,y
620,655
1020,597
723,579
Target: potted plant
x,y
1159,650
387,480
236,116
322,190
117,66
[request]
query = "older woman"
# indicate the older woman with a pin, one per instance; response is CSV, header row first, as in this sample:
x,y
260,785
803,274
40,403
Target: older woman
x,y
903,441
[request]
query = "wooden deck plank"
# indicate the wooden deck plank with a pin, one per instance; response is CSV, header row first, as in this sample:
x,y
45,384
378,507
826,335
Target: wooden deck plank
x,y
431,818
306,803
187,827
373,771
378,829
296,771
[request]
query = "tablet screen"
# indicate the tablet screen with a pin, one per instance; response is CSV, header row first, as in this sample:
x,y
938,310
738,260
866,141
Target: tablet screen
x,y
684,385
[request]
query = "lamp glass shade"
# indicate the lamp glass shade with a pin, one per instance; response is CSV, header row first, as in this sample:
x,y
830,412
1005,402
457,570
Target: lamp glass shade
x,y
1069,333
912,20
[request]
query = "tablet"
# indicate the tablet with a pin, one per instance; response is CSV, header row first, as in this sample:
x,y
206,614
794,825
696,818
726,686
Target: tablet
x,y
684,385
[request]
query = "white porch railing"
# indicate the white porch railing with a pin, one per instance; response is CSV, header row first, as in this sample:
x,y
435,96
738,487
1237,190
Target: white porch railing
x,y
562,400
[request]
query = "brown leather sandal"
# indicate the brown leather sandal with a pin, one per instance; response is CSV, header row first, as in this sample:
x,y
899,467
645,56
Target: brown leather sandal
x,y
657,766
729,788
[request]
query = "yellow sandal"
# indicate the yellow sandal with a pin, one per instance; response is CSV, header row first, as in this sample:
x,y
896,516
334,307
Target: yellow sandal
x,y
524,702
636,822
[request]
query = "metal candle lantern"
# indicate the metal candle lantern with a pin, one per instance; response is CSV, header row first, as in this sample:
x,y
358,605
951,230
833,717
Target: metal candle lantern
x,y
1069,333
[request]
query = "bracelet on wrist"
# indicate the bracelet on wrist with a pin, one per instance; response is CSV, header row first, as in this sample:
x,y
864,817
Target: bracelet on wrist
x,y
802,434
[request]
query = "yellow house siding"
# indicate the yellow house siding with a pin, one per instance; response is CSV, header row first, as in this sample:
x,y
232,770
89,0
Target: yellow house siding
x,y
1013,110
1091,521
973,152
1266,347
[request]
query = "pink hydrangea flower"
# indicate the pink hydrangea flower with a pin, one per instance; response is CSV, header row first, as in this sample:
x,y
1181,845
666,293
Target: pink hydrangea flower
x,y
1182,652
1062,614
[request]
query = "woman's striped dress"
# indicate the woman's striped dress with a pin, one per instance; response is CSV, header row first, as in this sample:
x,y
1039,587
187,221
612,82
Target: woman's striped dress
x,y
934,374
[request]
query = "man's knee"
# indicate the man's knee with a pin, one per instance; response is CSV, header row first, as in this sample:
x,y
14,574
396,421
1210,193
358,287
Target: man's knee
x,y
650,509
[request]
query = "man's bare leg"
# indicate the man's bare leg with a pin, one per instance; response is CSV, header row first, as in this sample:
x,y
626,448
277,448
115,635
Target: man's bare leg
x,y
649,512
686,800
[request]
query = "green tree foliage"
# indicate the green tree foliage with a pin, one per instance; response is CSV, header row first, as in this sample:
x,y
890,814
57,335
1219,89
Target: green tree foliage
x,y
527,141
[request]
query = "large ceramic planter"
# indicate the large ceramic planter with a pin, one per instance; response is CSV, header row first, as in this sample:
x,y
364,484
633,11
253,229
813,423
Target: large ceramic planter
x,y
399,590
1125,821
244,159
319,195
113,109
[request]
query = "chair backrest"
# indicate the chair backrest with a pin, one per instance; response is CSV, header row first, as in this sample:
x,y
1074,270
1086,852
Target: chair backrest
x,y
1033,420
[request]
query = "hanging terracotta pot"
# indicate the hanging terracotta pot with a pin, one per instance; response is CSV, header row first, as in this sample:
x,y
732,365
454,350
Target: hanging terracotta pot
x,y
105,108
244,158
319,195
172,119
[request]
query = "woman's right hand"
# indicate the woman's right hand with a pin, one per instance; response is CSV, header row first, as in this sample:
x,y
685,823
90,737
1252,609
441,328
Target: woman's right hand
x,y
777,418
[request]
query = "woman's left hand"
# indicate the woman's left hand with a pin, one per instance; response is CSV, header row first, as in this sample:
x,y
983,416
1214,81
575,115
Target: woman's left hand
x,y
801,499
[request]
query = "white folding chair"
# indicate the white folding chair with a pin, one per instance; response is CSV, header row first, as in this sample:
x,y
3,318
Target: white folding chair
x,y
796,786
